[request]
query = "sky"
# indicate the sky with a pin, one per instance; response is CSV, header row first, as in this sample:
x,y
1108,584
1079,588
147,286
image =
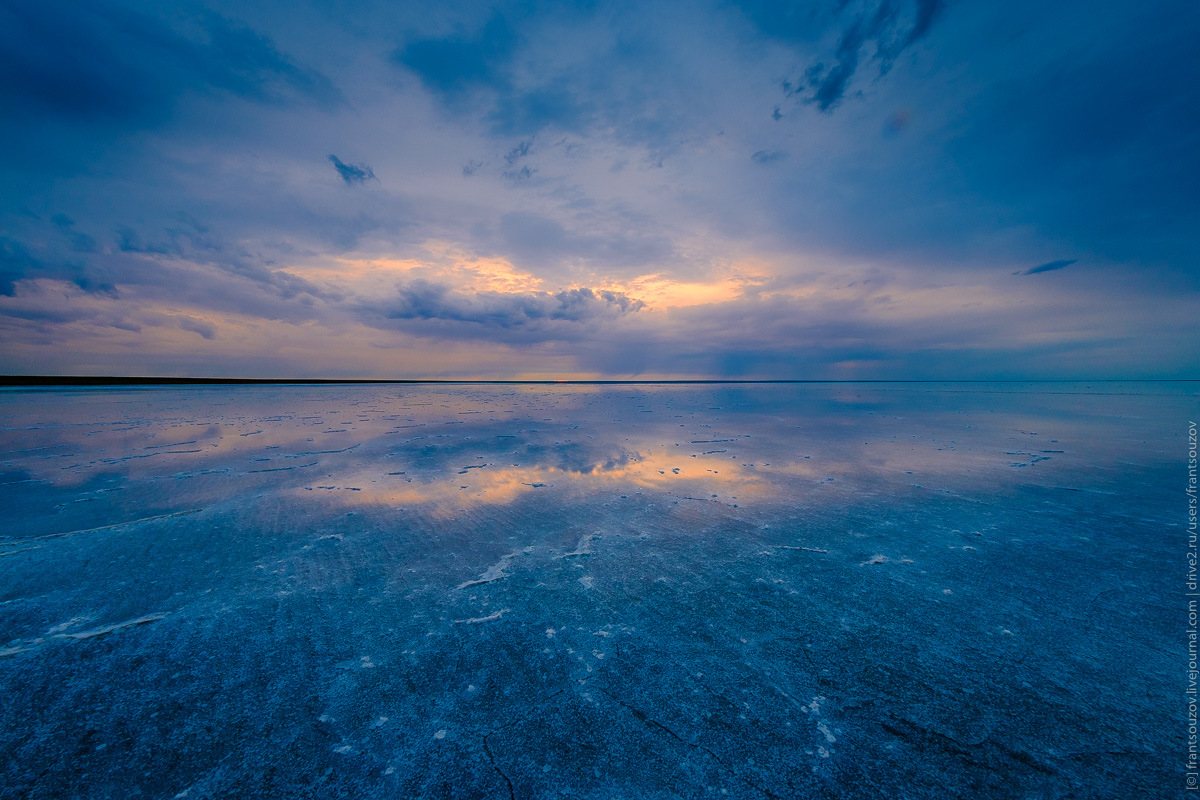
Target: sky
x,y
884,189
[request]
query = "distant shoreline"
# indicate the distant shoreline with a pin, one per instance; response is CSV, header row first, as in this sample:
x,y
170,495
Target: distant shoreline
x,y
127,380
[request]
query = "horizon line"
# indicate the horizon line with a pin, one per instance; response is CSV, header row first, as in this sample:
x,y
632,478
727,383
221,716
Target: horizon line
x,y
136,380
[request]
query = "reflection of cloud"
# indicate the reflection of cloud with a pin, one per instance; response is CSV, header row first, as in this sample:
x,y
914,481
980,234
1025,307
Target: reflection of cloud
x,y
673,472
442,450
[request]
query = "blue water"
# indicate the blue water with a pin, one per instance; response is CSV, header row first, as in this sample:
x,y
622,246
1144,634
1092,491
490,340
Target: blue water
x,y
838,590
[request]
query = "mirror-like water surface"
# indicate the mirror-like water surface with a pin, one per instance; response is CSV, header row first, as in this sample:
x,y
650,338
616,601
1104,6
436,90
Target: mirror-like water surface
x,y
840,590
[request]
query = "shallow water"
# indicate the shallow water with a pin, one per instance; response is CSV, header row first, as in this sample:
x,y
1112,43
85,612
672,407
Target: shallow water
x,y
822,590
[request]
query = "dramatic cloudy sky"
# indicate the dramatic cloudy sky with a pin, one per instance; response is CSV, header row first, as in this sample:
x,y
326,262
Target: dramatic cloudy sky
x,y
825,189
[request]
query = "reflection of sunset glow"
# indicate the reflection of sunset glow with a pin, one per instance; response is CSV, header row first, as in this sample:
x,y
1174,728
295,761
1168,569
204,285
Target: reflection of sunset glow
x,y
669,472
410,446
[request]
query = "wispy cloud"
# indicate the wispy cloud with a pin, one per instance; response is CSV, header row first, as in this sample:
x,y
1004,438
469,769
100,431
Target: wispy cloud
x,y
767,156
352,173
1049,266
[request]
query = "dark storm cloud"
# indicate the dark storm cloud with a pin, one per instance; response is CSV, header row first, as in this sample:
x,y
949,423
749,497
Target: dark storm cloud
x,y
875,31
1049,266
352,173
78,78
87,61
429,308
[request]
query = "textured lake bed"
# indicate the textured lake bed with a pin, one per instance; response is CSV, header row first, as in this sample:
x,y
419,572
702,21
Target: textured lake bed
x,y
650,591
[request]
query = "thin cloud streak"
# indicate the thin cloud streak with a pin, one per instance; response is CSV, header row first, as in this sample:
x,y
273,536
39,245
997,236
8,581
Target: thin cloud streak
x,y
1049,266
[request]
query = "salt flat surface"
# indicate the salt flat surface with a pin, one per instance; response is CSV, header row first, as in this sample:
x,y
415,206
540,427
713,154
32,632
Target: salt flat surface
x,y
844,590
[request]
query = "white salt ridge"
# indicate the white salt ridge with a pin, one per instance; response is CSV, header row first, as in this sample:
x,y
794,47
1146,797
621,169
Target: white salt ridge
x,y
104,527
488,618
116,626
583,548
494,573
30,644
71,623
